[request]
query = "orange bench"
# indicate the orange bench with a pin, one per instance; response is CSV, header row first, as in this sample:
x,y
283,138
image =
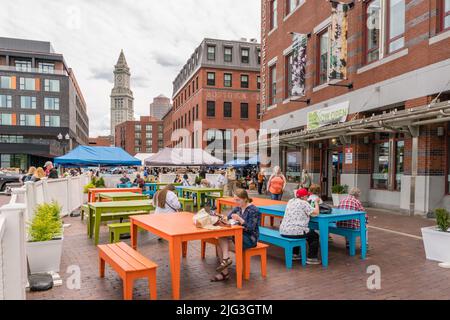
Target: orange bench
x,y
130,265
259,250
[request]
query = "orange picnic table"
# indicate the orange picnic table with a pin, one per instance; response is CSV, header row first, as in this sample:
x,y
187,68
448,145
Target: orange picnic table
x,y
178,229
92,193
232,202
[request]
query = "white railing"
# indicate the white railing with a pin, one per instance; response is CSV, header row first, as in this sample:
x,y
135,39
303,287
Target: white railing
x,y
13,270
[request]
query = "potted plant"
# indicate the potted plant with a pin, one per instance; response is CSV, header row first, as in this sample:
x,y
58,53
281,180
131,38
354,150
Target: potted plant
x,y
436,240
45,239
338,192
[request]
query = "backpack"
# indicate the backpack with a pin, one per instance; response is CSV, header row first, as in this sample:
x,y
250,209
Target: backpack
x,y
325,208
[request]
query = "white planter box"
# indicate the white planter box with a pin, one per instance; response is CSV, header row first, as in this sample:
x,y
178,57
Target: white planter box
x,y
337,198
44,256
437,244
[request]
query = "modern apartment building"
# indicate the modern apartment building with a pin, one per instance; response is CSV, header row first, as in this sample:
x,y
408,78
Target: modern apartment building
x,y
142,136
373,107
160,106
42,110
215,94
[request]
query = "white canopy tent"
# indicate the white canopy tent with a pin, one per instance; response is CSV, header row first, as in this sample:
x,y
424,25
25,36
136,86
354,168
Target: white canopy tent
x,y
182,157
143,157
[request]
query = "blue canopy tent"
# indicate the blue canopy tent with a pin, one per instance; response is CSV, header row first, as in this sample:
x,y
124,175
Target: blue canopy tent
x,y
243,163
84,156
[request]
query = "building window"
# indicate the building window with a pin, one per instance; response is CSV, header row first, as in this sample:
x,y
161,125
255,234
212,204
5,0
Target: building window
x,y
227,80
148,143
244,110
149,135
137,128
227,109
5,101
324,46
27,84
291,5
52,121
23,66
211,79
446,15
5,119
45,67
273,14
27,102
160,128
196,112
258,111
293,166
258,82
28,120
137,149
272,85
373,25
51,85
51,103
210,109
244,81
160,135
399,164
245,55
381,161
211,53
258,54
396,20
228,54
6,82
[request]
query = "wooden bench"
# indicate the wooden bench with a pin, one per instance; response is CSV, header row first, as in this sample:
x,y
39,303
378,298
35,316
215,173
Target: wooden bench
x,y
349,234
259,250
273,237
116,230
185,201
130,265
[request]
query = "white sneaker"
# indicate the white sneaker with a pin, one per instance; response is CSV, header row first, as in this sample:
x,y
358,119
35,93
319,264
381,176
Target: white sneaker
x,y
296,257
314,261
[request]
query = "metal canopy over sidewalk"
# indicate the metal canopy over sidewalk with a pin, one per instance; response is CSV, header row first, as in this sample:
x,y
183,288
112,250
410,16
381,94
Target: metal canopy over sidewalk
x,y
405,121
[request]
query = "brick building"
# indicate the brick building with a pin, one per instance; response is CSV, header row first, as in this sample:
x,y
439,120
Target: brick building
x,y
384,126
216,93
42,110
143,136
101,141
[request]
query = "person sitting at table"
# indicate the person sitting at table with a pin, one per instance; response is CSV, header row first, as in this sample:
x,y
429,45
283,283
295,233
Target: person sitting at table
x,y
124,179
314,193
246,215
185,181
139,181
166,200
295,224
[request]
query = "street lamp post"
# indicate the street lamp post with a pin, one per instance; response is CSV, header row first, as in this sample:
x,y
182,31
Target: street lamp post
x,y
63,140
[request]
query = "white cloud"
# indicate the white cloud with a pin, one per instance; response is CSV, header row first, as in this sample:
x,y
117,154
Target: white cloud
x,y
157,36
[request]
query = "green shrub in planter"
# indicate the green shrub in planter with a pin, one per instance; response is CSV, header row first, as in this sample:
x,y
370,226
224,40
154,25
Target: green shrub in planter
x,y
46,224
100,183
88,186
339,189
442,219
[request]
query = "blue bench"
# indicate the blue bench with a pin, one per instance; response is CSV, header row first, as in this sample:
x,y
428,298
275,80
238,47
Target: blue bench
x,y
273,237
349,234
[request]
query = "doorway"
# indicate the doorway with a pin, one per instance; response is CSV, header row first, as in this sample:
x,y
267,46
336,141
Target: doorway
x,y
332,160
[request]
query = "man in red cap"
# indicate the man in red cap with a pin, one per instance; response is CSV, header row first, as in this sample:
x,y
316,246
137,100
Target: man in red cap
x,y
295,224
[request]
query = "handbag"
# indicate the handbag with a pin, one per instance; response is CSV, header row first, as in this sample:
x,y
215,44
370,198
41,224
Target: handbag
x,y
325,208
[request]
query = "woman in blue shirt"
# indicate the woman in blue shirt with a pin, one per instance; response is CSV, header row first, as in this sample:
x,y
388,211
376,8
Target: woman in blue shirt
x,y
248,216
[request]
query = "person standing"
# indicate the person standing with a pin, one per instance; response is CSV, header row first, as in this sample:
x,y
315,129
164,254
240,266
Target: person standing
x,y
305,181
260,180
231,181
276,184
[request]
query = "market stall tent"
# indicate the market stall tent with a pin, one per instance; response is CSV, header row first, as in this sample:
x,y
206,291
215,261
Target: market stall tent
x,y
182,157
143,157
83,156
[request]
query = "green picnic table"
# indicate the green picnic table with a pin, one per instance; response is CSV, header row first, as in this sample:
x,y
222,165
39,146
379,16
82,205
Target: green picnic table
x,y
114,210
121,196
199,191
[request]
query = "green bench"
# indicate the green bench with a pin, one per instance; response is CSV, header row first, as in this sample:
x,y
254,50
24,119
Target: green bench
x,y
185,202
118,216
118,229
84,210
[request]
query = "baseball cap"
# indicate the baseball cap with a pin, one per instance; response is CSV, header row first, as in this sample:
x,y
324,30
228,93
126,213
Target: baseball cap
x,y
302,193
48,163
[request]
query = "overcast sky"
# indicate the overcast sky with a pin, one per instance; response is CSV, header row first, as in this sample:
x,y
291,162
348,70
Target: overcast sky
x,y
157,36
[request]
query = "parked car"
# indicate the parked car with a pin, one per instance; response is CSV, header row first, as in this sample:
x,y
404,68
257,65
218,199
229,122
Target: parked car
x,y
9,180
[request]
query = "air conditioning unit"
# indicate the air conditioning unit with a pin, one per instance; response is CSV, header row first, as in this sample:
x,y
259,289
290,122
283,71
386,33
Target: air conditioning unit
x,y
244,39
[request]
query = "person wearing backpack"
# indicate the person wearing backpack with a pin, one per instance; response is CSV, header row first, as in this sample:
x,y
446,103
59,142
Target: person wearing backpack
x,y
276,184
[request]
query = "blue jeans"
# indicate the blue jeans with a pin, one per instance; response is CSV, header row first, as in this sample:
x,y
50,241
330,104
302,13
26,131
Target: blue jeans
x,y
276,196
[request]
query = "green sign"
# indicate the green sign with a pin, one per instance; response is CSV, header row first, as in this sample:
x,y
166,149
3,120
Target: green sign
x,y
334,114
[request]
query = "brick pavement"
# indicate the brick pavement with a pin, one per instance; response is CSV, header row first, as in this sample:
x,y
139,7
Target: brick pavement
x,y
405,274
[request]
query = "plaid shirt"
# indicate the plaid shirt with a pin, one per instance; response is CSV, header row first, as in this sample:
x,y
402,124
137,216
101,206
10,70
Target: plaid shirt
x,y
350,203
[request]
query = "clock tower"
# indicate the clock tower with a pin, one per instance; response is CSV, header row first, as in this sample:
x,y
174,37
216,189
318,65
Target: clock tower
x,y
122,108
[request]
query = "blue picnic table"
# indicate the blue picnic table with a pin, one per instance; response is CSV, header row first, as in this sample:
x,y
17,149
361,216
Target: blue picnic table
x,y
323,221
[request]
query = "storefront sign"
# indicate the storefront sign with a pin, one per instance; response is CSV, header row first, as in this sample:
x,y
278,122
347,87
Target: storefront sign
x,y
338,46
334,114
348,155
298,64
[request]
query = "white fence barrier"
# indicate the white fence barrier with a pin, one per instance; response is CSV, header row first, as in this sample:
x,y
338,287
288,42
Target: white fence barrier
x,y
13,270
112,180
167,178
212,178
